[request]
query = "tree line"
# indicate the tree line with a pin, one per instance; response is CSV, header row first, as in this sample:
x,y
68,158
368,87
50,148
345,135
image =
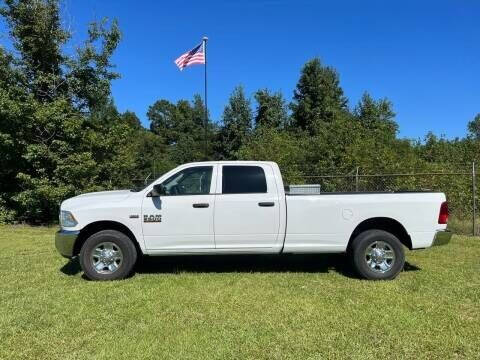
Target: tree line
x,y
61,133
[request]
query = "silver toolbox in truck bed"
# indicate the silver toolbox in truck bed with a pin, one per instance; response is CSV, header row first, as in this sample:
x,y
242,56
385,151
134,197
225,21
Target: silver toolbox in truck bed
x,y
304,189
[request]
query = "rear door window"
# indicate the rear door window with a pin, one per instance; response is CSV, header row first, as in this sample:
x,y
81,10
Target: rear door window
x,y
243,179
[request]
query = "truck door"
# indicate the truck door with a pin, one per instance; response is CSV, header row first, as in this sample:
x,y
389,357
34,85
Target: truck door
x,y
247,211
182,218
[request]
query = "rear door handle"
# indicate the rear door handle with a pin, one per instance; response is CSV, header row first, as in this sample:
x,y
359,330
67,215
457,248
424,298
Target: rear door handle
x,y
266,203
201,205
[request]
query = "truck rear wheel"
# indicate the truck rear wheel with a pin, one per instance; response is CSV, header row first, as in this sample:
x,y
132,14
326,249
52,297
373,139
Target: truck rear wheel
x,y
108,255
377,255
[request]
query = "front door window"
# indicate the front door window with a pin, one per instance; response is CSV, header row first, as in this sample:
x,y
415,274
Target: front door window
x,y
191,181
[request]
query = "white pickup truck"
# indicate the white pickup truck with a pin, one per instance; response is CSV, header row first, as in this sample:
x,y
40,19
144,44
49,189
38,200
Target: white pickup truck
x,y
241,207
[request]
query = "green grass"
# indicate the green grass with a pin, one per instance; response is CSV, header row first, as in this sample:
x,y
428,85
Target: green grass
x,y
260,307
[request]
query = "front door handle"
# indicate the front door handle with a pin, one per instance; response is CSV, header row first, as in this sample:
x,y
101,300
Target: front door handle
x,y
266,203
201,205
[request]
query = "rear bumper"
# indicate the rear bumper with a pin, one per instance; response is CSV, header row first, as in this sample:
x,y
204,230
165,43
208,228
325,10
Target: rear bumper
x,y
65,241
442,237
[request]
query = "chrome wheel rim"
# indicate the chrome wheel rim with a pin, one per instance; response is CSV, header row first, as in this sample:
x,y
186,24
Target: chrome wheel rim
x,y
106,258
379,257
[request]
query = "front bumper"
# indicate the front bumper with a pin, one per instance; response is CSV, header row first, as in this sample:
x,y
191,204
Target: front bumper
x,y
65,242
442,237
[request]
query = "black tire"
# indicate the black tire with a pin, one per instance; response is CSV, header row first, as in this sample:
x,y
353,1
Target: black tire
x,y
122,246
365,243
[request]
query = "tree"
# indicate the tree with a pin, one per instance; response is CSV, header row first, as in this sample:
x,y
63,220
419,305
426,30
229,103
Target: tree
x,y
198,110
189,134
236,124
161,115
318,97
182,127
285,148
60,118
14,104
376,114
90,76
474,128
205,136
38,36
130,118
35,27
271,110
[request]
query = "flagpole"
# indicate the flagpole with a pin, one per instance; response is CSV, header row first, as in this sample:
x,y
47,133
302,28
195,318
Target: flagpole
x,y
205,123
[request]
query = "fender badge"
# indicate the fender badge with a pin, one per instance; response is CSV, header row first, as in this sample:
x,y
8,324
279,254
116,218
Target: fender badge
x,y
152,218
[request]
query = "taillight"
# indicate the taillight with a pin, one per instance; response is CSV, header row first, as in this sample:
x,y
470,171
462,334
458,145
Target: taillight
x,y
443,216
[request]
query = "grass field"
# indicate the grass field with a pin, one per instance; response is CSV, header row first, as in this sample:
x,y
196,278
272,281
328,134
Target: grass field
x,y
291,307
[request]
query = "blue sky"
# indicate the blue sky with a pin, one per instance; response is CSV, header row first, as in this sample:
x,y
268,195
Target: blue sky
x,y
423,55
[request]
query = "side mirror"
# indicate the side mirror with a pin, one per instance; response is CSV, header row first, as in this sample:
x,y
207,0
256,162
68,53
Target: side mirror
x,y
157,191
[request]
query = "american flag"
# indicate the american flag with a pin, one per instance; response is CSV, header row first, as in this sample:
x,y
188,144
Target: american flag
x,y
194,56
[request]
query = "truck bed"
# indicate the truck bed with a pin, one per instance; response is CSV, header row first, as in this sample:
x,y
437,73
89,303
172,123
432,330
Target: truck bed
x,y
366,192
325,222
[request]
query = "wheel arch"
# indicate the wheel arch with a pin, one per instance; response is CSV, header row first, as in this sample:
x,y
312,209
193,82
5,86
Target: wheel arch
x,y
386,224
97,226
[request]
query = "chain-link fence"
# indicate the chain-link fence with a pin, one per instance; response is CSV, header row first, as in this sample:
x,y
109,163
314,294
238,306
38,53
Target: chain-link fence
x,y
460,187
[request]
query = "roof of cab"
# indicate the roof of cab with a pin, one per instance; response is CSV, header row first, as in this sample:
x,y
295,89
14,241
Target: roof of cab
x,y
230,162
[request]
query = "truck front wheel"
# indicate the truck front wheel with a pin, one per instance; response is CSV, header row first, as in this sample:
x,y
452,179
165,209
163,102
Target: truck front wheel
x,y
377,255
108,255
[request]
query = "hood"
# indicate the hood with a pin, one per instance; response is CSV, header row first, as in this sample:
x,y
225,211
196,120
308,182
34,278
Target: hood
x,y
96,198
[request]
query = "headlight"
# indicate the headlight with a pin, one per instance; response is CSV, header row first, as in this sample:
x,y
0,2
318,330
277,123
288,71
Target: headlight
x,y
67,219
